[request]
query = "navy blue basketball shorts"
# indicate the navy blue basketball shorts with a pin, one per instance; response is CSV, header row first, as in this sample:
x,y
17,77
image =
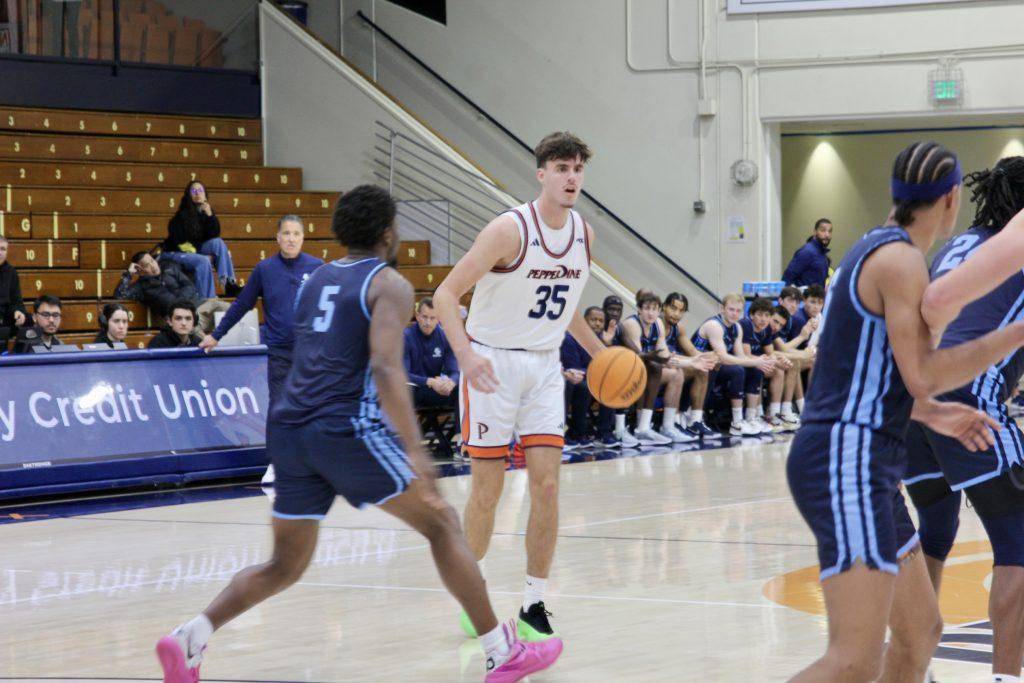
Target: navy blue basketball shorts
x,y
934,455
845,481
358,460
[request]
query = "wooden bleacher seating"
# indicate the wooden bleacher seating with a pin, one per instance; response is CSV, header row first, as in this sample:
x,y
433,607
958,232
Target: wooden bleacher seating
x,y
80,192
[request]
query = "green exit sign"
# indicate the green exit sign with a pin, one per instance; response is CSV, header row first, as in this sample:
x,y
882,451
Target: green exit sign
x,y
946,90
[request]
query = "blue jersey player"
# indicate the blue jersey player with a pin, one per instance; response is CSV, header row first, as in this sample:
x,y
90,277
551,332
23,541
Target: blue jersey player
x,y
330,434
877,365
939,468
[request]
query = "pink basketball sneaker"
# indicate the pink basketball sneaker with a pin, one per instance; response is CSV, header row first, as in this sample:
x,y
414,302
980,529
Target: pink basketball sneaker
x,y
527,658
172,653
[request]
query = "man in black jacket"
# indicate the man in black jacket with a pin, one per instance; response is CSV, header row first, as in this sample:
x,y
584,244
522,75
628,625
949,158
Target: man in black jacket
x,y
180,331
12,307
46,323
160,284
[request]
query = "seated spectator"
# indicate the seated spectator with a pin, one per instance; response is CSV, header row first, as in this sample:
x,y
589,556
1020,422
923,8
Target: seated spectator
x,y
180,331
193,234
810,314
643,334
160,284
695,365
780,410
612,307
429,361
723,335
794,337
113,325
578,398
758,340
810,264
45,324
12,306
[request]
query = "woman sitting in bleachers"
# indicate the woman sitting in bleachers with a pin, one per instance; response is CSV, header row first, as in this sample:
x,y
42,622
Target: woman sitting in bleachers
x,y
113,325
193,234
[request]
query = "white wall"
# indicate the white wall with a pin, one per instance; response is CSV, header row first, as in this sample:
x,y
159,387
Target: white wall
x,y
621,73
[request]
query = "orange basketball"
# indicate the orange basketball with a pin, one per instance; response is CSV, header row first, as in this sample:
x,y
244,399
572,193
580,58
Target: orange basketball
x,y
617,377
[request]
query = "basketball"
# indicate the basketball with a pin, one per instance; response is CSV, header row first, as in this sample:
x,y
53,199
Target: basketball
x,y
617,377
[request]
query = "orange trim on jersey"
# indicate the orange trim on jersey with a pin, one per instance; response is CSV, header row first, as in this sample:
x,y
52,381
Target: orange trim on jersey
x,y
464,392
487,452
542,441
572,237
586,238
522,250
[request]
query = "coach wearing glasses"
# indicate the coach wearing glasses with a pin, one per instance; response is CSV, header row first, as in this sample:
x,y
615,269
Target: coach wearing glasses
x,y
43,332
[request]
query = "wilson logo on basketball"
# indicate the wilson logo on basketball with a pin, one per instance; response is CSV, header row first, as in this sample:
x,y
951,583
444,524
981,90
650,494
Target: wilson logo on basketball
x,y
555,273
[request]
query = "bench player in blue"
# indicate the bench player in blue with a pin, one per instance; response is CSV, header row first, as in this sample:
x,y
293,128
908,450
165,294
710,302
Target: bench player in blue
x,y
939,468
877,366
330,434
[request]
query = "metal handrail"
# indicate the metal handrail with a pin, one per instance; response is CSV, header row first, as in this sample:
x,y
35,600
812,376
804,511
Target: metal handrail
x,y
482,112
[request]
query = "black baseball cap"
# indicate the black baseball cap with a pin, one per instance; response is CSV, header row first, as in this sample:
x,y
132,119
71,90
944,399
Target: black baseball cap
x,y
611,300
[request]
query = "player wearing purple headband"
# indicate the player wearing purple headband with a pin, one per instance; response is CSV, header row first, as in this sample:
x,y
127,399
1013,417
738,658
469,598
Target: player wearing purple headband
x,y
877,367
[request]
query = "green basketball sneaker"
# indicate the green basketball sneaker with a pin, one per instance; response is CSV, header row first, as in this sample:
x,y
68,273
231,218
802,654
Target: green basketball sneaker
x,y
533,624
467,625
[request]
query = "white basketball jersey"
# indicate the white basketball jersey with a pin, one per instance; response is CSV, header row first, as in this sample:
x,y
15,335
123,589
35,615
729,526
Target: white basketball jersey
x,y
528,305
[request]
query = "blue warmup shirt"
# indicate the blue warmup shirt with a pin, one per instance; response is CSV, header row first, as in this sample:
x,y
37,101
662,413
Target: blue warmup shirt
x,y
729,334
277,280
330,374
427,357
757,340
572,354
809,265
856,381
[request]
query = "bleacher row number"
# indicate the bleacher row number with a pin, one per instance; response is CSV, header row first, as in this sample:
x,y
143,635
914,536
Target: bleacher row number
x,y
128,177
56,173
17,146
324,254
263,254
26,225
81,124
216,153
284,179
181,128
241,131
46,123
248,227
74,254
131,316
244,154
79,285
88,316
213,130
39,285
412,252
255,177
10,120
30,254
152,151
323,203
21,173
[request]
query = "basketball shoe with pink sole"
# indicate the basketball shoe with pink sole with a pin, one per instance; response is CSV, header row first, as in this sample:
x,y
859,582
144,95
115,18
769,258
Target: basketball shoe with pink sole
x,y
172,652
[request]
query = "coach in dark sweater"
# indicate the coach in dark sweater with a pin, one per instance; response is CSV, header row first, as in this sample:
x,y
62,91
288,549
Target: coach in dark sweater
x,y
429,361
276,280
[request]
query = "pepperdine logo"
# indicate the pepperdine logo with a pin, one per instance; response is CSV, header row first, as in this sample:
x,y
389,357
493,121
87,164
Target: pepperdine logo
x,y
559,273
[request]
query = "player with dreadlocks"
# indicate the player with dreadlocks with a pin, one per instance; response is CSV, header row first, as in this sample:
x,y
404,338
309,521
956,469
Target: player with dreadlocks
x,y
939,468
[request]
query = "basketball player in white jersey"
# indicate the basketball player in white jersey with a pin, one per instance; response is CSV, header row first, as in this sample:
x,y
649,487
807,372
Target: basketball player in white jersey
x,y
529,266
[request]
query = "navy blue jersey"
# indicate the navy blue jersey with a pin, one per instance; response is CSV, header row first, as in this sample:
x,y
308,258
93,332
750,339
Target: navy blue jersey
x,y
729,335
330,373
648,341
856,380
998,308
671,337
757,340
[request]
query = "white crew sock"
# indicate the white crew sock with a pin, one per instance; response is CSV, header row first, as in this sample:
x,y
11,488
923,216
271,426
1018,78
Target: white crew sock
x,y
787,409
737,415
620,423
497,648
534,592
696,416
643,419
751,414
773,409
1005,678
668,418
196,633
683,419
800,404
